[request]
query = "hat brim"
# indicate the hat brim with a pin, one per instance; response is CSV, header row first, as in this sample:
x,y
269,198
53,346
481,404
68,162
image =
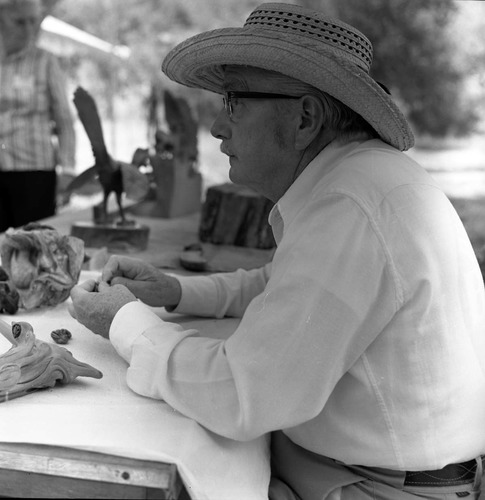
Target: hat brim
x,y
198,62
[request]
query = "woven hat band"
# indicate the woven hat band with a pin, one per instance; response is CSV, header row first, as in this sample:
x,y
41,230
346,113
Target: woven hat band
x,y
348,42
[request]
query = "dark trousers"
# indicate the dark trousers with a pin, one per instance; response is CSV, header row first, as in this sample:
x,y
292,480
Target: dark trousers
x,y
26,197
299,474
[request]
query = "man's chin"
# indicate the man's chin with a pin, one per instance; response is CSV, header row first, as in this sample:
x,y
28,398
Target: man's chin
x,y
233,169
234,176
237,173
238,181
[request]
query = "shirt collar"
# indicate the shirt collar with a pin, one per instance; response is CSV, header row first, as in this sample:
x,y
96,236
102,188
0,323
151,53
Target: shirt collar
x,y
284,211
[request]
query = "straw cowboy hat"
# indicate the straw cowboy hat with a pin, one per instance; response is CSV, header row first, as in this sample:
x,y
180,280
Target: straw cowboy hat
x,y
303,44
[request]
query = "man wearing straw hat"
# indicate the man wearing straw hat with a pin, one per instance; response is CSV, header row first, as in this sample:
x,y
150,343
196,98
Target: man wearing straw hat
x,y
361,347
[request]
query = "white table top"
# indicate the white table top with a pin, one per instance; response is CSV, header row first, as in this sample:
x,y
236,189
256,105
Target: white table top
x,y
106,416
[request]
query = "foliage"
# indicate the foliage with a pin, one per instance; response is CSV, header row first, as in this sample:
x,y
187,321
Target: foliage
x,y
415,56
142,25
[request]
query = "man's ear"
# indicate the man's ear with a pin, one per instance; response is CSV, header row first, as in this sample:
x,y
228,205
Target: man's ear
x,y
310,121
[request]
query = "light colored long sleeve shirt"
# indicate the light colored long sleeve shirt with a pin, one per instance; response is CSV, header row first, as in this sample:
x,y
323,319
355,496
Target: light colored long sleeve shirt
x,y
364,340
36,124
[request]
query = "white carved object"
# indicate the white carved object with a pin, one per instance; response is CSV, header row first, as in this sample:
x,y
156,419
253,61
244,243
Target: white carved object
x,y
32,364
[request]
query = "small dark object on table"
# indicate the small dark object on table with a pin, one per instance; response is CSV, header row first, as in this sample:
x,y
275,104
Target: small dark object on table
x,y
9,298
192,258
61,336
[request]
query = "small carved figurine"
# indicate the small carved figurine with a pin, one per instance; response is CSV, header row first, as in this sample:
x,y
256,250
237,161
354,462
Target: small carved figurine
x,y
175,182
180,142
114,176
42,265
32,364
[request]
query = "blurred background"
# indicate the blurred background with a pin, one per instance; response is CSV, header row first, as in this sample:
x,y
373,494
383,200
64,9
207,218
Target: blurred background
x,y
430,54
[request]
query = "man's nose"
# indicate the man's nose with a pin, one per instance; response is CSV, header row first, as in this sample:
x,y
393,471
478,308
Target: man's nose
x,y
221,128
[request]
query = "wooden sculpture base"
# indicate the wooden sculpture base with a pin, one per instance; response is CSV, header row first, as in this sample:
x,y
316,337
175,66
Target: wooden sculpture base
x,y
115,237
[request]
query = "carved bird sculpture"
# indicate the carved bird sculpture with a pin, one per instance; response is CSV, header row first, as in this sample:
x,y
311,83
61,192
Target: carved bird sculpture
x,y
114,176
183,129
32,364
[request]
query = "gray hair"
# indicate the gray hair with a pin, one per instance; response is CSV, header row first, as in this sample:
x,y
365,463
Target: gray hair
x,y
346,123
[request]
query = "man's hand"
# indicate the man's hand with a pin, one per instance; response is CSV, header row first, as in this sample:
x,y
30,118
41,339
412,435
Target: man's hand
x,y
146,282
95,305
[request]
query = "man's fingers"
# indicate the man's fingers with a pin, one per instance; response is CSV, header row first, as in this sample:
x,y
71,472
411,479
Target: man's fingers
x,y
88,285
133,286
111,269
71,310
103,286
118,266
120,280
76,292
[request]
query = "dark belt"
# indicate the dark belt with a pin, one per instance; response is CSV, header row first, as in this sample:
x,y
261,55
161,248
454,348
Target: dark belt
x,y
450,475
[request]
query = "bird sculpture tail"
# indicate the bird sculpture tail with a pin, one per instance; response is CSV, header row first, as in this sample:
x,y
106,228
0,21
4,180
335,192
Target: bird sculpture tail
x,y
89,116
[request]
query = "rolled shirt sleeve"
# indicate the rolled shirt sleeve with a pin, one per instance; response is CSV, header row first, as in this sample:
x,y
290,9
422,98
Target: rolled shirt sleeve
x,y
222,294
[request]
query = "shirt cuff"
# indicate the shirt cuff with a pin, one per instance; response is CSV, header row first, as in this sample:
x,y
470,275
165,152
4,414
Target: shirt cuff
x,y
129,324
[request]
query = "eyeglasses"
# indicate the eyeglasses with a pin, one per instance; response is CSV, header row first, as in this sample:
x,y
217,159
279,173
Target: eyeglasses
x,y
230,98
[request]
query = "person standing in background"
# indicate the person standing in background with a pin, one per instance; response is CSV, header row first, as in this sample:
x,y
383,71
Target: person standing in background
x,y
37,137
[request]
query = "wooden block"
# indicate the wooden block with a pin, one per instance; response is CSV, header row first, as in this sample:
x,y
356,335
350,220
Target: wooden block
x,y
115,238
236,215
178,190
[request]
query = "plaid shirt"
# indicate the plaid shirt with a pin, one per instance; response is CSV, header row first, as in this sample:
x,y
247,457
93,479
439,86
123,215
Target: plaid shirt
x,y
36,126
